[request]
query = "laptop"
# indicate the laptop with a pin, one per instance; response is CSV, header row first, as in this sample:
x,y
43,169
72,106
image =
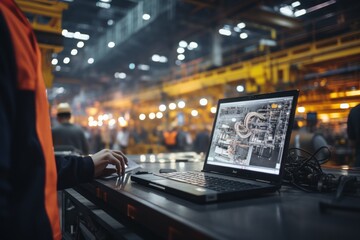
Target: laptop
x,y
246,155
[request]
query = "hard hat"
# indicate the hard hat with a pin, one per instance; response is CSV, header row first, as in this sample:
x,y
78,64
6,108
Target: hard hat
x,y
63,108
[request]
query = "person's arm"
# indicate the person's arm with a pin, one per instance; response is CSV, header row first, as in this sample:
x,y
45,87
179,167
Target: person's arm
x,y
73,170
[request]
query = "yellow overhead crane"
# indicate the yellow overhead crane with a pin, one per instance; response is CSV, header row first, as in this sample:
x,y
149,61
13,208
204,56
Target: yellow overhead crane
x,y
45,17
269,71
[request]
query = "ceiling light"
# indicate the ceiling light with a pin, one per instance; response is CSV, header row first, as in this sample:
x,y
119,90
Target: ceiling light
x,y
162,107
57,68
287,10
295,4
90,60
240,88
54,61
66,60
172,106
103,5
180,50
142,117
178,62
152,115
155,58
301,109
146,16
74,52
80,44
159,115
299,13
243,35
344,106
106,1
163,59
213,110
132,66
111,44
110,22
122,75
225,32
181,57
194,113
203,101
183,44
193,45
144,67
241,25
181,104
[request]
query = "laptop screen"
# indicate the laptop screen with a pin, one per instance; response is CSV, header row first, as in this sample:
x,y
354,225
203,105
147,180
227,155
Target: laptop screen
x,y
251,134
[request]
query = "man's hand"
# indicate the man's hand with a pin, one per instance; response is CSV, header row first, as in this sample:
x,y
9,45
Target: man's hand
x,y
102,158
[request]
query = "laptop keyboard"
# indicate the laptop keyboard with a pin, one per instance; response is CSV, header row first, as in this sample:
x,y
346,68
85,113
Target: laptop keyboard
x,y
210,182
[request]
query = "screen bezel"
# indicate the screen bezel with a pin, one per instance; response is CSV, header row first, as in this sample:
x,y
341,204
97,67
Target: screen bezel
x,y
243,173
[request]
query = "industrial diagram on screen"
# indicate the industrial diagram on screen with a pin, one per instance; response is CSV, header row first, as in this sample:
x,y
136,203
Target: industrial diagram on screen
x,y
250,134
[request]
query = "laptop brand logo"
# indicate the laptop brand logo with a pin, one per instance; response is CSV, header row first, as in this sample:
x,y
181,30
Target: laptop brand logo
x,y
234,171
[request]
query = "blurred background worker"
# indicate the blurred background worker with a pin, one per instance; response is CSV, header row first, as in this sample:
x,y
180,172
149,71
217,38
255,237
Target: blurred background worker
x,y
68,136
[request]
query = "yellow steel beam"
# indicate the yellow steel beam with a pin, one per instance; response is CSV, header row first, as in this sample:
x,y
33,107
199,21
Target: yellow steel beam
x,y
261,71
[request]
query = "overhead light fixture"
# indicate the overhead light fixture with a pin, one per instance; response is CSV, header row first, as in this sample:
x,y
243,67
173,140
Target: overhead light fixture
x,y
74,52
181,104
76,35
106,1
132,66
66,60
180,50
144,67
240,88
172,106
295,4
80,44
54,61
163,59
344,106
241,25
152,115
57,68
142,116
111,44
183,44
287,11
213,109
110,22
103,5
120,75
162,107
203,102
194,113
181,57
90,60
159,115
146,16
243,35
299,13
225,32
192,45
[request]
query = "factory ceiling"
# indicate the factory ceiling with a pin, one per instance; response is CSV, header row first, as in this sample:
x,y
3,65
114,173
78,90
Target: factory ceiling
x,y
125,45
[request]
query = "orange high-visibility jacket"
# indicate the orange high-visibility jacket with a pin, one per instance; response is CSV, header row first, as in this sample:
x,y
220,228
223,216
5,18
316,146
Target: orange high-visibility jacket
x,y
29,174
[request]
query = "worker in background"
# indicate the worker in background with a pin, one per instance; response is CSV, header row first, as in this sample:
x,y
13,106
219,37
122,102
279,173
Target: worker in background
x,y
353,131
68,136
30,174
170,138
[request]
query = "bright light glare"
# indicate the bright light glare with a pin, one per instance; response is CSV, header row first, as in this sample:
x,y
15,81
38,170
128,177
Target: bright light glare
x,y
193,45
241,25
287,10
172,106
74,52
155,58
80,44
66,60
159,115
111,44
213,109
180,50
181,104
299,13
181,57
90,60
301,109
146,16
243,35
194,113
152,115
142,117
203,102
295,4
344,106
183,44
162,107
225,32
240,88
54,61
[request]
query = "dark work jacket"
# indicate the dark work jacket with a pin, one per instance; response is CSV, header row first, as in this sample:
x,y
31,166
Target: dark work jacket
x,y
29,173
